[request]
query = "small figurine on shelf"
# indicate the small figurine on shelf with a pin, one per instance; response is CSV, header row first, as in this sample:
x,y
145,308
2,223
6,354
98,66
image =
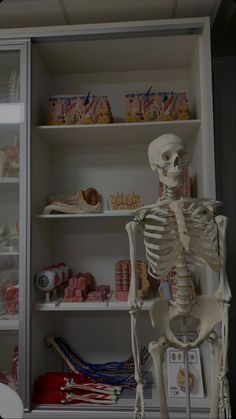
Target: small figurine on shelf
x,y
87,201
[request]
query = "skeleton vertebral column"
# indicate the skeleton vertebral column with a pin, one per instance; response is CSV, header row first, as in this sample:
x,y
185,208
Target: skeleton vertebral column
x,y
183,300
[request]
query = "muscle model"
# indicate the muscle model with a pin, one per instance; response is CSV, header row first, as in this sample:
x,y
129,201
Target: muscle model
x,y
174,230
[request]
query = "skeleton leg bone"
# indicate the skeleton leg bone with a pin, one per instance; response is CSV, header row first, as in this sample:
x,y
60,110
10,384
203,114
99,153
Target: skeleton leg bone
x,y
156,350
216,344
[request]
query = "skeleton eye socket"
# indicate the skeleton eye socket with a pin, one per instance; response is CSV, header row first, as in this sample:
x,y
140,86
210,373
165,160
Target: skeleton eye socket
x,y
166,156
182,153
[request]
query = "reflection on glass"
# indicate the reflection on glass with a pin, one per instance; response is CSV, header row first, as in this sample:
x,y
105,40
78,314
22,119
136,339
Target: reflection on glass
x,y
9,77
11,119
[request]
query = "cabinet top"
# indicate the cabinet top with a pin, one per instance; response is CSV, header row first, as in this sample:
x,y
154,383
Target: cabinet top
x,y
153,27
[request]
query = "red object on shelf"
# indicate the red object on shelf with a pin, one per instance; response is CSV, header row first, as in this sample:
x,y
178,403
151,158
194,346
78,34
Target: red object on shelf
x,y
121,295
54,388
53,380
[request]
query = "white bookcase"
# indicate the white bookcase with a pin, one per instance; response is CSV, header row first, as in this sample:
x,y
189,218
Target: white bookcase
x,y
109,59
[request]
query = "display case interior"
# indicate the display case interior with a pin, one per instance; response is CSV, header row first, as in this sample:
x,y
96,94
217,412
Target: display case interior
x,y
112,158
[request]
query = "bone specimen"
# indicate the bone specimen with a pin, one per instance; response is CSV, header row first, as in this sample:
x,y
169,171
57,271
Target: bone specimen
x,y
176,229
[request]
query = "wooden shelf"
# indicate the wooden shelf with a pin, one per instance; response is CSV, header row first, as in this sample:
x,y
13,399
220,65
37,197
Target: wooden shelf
x,y
122,133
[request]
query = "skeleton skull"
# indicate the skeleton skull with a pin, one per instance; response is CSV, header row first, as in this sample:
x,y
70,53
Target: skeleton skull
x,y
168,155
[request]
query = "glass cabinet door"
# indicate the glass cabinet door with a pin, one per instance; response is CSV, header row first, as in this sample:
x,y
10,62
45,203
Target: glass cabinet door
x,y
13,213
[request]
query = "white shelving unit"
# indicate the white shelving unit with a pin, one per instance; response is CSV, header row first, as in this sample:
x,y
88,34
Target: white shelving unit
x,y
106,213
122,132
110,304
112,158
111,60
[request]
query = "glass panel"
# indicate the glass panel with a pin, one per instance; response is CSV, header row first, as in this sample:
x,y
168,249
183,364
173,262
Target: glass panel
x,y
10,77
11,122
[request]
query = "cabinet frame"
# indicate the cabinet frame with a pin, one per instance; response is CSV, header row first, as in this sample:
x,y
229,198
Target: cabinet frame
x,y
25,37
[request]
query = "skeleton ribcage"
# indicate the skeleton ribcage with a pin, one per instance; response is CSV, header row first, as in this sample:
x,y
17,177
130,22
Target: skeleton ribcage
x,y
162,237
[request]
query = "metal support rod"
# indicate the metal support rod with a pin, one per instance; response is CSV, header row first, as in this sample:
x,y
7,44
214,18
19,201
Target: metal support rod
x,y
186,374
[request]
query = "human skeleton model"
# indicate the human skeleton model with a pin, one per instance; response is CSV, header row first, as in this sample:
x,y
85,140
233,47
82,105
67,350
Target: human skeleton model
x,y
174,230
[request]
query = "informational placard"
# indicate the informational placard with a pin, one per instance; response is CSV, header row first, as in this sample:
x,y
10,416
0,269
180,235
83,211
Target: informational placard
x,y
176,373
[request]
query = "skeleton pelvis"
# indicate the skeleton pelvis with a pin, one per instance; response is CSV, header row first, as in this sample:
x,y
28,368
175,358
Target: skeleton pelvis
x,y
205,313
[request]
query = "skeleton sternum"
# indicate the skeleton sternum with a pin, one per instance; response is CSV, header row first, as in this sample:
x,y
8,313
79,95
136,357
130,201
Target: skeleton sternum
x,y
183,301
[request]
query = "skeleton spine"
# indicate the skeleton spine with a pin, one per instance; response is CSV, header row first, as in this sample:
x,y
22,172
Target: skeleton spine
x,y
183,292
183,299
171,193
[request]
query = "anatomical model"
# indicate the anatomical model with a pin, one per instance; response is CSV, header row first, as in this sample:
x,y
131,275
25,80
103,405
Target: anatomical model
x,y
176,229
86,201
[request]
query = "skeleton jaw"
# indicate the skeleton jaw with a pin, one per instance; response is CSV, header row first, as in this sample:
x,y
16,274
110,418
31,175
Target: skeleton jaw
x,y
172,177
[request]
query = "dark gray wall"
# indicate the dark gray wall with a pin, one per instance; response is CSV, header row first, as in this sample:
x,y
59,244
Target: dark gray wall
x,y
224,88
223,37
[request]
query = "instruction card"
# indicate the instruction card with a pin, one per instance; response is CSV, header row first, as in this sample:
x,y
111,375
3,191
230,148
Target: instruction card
x,y
176,373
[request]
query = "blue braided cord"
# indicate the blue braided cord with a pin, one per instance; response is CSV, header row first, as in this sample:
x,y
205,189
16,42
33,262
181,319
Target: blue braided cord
x,y
126,365
128,382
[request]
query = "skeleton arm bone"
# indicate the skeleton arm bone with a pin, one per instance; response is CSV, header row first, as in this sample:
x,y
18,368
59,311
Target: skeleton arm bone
x,y
131,229
223,293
